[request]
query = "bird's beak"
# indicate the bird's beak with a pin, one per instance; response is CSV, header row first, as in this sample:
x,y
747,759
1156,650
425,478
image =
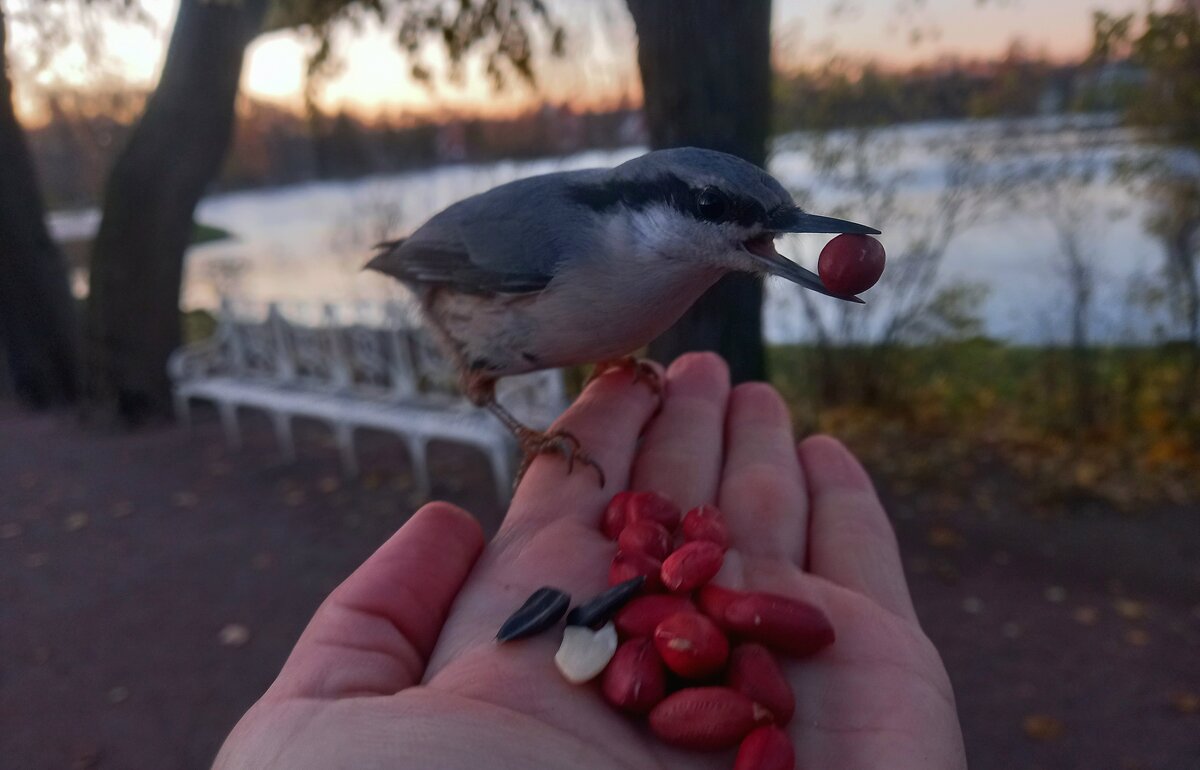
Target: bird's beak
x,y
794,220
766,258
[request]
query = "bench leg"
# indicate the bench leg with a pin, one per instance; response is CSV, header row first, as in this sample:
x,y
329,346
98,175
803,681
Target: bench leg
x,y
419,462
183,410
283,435
229,421
343,433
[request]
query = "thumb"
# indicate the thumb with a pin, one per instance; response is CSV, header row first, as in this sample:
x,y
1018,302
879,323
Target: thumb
x,y
374,633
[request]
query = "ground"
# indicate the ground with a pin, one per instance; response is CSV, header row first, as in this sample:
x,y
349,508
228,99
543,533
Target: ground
x,y
152,584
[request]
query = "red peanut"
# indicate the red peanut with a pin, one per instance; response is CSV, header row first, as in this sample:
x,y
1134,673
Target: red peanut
x,y
786,625
635,680
691,645
766,748
705,523
754,673
613,520
647,536
627,565
691,566
790,626
709,718
643,614
654,507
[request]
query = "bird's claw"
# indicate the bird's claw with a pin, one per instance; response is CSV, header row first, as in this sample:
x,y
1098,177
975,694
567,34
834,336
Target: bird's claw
x,y
534,443
643,371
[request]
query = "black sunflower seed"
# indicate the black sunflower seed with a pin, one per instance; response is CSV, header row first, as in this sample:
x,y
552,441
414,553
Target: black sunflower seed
x,y
598,610
541,610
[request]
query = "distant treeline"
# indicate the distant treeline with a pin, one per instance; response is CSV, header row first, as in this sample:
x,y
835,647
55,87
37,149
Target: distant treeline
x,y
275,146
841,94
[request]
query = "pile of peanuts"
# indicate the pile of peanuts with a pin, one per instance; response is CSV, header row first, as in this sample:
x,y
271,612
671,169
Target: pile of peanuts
x,y
691,657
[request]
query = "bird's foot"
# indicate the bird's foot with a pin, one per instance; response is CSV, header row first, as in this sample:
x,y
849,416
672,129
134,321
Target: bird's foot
x,y
643,371
534,443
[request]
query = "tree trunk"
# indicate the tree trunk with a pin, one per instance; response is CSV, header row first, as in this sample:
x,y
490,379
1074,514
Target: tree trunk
x,y
706,78
173,153
38,327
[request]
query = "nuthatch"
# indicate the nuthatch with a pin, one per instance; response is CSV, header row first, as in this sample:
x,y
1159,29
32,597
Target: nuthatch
x,y
588,266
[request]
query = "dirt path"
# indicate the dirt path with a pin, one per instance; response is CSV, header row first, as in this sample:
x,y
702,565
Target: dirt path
x,y
151,585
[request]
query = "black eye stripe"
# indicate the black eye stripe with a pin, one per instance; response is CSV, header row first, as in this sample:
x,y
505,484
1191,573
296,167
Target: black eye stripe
x,y
666,189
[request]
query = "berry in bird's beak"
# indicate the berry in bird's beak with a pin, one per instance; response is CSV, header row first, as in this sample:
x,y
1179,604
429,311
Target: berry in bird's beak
x,y
764,257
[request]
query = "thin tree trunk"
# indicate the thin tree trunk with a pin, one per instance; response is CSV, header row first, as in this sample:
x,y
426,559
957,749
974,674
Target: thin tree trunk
x,y
706,78
38,326
1185,257
172,156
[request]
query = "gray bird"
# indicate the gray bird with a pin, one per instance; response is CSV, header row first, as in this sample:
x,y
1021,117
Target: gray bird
x,y
588,266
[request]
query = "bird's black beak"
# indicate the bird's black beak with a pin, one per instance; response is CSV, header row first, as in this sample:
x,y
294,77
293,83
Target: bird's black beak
x,y
794,220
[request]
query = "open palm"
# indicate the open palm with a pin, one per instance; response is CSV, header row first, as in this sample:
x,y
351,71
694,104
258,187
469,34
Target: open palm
x,y
399,669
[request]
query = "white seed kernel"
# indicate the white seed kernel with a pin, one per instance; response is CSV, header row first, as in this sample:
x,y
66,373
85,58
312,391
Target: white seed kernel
x,y
584,653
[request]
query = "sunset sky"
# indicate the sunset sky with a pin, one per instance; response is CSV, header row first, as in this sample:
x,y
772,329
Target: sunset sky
x,y
602,64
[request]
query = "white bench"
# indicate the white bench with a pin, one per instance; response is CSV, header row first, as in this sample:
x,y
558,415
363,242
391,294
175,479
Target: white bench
x,y
387,375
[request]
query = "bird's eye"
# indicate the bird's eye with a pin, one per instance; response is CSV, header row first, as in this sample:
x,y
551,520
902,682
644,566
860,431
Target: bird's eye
x,y
712,204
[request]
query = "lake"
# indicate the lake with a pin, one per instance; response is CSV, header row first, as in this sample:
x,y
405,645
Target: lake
x,y
305,244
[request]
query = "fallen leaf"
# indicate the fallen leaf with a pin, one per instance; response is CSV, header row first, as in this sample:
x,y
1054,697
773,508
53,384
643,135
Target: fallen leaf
x,y
1085,616
1043,727
1130,609
185,499
294,498
972,605
1137,637
76,521
262,561
947,573
86,759
943,537
9,530
38,559
234,635
118,694
329,484
1010,630
121,509
1185,702
918,565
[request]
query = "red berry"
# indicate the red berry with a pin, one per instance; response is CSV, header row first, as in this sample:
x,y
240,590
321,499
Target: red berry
x,y
850,264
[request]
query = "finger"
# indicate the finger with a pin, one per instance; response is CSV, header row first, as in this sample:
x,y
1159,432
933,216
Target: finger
x,y
851,541
607,419
762,486
681,454
374,633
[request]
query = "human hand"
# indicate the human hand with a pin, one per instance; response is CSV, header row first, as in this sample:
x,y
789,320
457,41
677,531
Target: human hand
x,y
399,669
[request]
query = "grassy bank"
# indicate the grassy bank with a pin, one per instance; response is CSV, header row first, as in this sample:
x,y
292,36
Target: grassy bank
x,y
1108,425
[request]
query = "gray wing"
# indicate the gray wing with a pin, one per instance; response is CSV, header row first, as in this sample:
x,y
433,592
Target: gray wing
x,y
509,240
